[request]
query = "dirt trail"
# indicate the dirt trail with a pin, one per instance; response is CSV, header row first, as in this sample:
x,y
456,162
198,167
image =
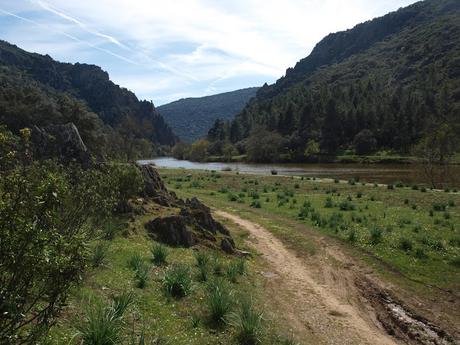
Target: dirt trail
x,y
319,296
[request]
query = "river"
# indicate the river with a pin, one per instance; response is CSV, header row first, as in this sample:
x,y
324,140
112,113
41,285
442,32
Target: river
x,y
374,173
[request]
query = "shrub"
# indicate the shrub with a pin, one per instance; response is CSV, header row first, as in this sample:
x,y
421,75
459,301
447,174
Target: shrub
x,y
376,235
352,235
177,281
439,207
232,272
346,205
99,254
135,261
255,204
45,211
455,262
390,187
102,326
405,244
202,258
329,203
159,254
241,266
141,276
120,303
220,301
248,323
420,254
218,266
128,181
232,197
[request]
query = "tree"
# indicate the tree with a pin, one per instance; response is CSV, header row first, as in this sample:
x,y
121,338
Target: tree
x,y
181,150
228,151
199,150
312,148
263,146
435,151
365,142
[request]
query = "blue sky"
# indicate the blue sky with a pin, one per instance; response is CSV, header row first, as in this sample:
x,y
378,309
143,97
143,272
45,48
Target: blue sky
x,y
166,50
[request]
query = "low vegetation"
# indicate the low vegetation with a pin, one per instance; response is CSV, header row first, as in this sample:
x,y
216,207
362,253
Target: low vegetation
x,y
413,230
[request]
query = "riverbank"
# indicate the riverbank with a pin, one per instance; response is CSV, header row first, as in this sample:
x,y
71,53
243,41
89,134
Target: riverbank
x,y
407,174
332,159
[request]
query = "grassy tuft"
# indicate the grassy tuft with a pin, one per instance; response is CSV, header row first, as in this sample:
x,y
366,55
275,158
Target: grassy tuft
x,y
177,281
159,254
247,323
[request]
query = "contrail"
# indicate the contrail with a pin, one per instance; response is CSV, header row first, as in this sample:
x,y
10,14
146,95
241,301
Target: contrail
x,y
69,36
83,26
110,38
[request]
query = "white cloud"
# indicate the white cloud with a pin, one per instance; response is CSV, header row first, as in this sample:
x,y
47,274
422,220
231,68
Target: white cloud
x,y
182,46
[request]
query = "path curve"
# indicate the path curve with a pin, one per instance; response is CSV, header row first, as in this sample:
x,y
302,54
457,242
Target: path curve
x,y
325,308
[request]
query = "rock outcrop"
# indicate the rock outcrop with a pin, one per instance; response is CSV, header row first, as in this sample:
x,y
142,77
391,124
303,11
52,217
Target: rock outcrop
x,y
193,222
62,141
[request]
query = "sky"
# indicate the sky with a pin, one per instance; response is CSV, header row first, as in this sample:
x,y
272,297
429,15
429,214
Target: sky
x,y
164,50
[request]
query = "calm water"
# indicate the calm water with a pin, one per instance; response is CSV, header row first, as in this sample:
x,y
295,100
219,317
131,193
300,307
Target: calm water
x,y
379,173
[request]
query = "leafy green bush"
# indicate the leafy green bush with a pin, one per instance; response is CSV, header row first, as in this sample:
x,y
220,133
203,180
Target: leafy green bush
x,y
177,281
128,182
47,216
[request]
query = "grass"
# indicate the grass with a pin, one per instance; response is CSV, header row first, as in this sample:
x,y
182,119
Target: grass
x,y
219,301
248,323
150,314
177,281
99,254
370,218
102,326
159,254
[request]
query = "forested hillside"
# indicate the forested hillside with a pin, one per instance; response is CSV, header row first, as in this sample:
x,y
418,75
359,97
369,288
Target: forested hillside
x,y
36,90
387,84
190,118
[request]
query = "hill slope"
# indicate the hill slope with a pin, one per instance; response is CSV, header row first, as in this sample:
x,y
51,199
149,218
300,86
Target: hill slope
x,y
37,90
396,78
190,118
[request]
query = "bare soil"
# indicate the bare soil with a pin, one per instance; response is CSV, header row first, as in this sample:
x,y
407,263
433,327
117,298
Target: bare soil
x,y
328,298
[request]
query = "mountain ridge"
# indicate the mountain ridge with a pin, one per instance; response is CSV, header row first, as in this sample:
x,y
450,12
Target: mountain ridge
x,y
191,117
398,90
